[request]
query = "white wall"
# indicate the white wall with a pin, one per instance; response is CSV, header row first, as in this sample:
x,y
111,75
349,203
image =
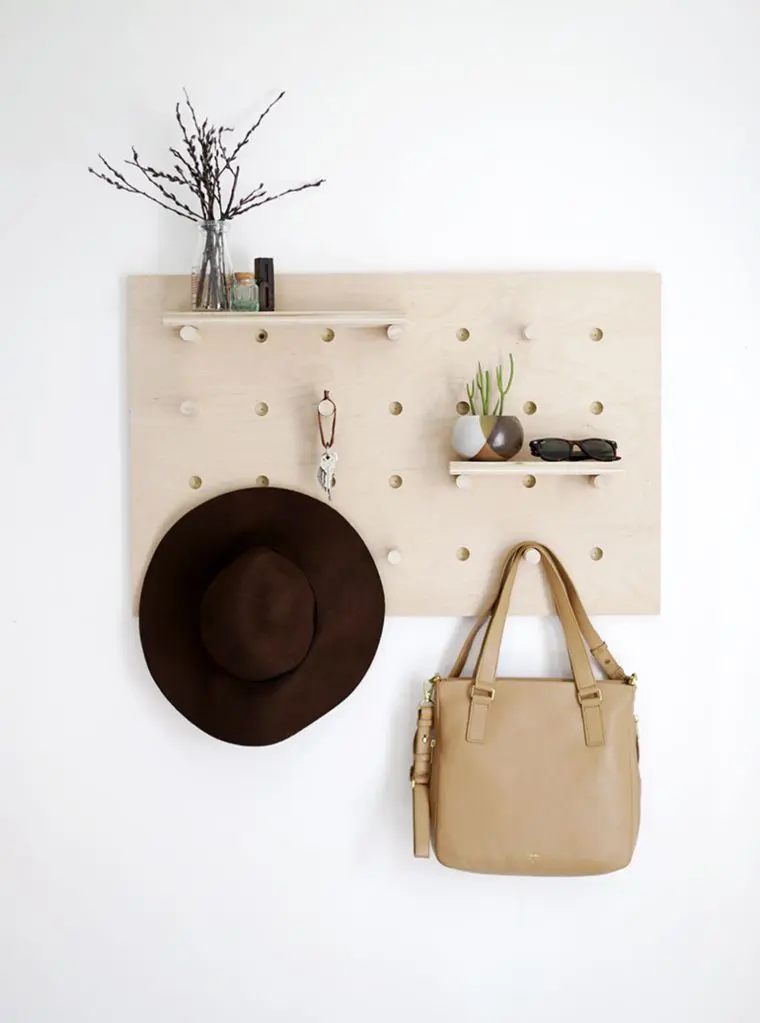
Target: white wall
x,y
150,873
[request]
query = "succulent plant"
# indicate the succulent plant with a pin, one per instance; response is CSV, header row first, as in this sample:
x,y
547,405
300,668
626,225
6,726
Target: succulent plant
x,y
480,389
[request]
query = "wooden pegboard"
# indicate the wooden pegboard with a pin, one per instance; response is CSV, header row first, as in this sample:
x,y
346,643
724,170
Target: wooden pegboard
x,y
227,374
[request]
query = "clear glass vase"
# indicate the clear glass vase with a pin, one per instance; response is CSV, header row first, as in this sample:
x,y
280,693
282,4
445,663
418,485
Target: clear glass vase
x,y
211,278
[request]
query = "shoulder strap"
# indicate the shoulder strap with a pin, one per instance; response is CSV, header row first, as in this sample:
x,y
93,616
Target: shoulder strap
x,y
420,779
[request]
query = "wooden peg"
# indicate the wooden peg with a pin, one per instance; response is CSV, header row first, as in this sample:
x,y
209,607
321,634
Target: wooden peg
x,y
532,555
529,332
394,557
600,482
189,333
394,331
188,408
463,482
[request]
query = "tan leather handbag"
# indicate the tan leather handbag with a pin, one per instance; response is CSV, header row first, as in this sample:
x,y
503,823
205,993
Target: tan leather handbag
x,y
529,776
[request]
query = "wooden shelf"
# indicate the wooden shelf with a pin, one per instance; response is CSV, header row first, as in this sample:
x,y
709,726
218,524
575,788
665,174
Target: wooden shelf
x,y
597,473
324,318
534,468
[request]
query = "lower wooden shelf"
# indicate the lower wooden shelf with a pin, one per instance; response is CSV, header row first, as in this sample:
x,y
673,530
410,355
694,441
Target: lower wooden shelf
x,y
534,468
597,473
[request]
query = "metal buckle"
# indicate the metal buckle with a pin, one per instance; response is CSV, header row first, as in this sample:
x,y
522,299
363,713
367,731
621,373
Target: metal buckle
x,y
590,698
486,692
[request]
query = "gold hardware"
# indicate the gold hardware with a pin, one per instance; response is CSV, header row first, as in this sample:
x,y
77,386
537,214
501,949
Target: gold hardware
x,y
631,680
428,687
424,738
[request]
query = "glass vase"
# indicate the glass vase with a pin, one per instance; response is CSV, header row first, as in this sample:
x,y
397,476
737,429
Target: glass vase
x,y
211,278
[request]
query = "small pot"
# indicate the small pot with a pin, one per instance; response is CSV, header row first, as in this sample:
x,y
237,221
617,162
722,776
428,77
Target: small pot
x,y
487,438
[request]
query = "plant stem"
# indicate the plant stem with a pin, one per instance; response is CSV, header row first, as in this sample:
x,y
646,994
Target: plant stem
x,y
481,389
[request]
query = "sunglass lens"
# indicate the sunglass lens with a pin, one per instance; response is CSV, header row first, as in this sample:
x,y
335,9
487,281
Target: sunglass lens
x,y
601,450
553,450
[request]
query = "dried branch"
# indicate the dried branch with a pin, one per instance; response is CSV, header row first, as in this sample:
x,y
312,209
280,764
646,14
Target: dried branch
x,y
247,137
153,177
120,182
205,166
190,147
233,189
271,198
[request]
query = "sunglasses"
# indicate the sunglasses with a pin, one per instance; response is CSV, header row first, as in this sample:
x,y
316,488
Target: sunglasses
x,y
555,449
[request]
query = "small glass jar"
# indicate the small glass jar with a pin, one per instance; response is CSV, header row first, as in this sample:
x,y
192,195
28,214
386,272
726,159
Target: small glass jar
x,y
245,293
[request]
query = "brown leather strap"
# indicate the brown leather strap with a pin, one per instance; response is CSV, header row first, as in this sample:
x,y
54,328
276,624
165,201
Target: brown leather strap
x,y
480,621
486,670
420,777
597,646
477,719
588,692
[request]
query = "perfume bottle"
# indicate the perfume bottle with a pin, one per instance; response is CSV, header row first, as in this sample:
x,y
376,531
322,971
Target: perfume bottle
x,y
264,268
245,293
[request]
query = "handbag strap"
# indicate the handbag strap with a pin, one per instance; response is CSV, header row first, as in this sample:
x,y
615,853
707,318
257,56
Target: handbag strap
x,y
596,644
420,779
487,663
483,691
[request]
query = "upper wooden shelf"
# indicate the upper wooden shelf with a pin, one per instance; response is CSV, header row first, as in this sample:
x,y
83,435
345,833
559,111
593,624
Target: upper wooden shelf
x,y
391,321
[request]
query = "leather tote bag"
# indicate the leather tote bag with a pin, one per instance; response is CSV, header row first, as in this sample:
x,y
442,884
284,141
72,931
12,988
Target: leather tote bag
x,y
536,776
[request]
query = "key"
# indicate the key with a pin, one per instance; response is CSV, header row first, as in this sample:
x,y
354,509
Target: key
x,y
326,472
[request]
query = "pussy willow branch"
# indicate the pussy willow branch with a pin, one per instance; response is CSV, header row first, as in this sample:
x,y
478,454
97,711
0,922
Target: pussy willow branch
x,y
204,165
119,181
247,137
153,177
195,173
271,198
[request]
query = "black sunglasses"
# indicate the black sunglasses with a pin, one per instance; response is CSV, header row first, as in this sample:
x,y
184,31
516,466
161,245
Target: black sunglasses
x,y
555,449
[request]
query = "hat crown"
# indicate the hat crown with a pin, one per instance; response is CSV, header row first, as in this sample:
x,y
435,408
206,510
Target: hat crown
x,y
257,616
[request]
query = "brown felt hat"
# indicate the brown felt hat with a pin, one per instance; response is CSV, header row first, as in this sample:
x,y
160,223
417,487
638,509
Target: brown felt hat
x,y
260,611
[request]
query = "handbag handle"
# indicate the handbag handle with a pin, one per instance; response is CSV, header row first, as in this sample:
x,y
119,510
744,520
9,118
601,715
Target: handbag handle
x,y
486,669
588,693
596,644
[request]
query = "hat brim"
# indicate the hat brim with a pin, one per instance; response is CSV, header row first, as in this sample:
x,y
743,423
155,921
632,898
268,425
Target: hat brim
x,y
349,616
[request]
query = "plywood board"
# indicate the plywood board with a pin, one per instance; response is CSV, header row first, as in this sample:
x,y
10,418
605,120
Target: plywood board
x,y
227,374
